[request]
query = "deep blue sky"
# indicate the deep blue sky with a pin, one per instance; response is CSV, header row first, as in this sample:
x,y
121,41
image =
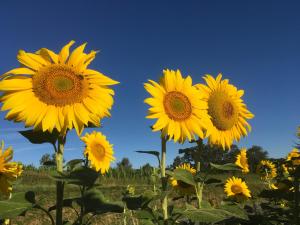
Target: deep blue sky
x,y
256,44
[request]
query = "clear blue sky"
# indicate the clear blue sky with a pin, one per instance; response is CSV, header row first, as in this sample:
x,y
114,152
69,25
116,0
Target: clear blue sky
x,y
256,44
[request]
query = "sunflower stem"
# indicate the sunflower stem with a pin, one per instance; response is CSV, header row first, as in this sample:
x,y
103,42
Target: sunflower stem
x,y
296,207
60,184
199,185
164,182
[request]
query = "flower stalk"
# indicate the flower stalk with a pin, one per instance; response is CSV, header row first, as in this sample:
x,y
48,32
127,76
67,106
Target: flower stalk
x,y
60,184
164,182
199,185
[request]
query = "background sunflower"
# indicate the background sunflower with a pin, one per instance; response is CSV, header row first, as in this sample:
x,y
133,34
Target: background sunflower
x,y
98,150
180,186
226,109
177,105
242,161
235,187
266,169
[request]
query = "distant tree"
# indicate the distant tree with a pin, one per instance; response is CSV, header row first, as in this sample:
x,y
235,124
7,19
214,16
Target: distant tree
x,y
176,162
255,154
124,163
208,154
47,160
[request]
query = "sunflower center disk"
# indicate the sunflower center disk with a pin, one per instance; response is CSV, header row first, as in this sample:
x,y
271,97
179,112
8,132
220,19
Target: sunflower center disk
x,y
236,189
59,85
223,111
177,106
99,152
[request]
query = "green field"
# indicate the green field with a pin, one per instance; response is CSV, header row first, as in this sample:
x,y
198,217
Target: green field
x,y
43,185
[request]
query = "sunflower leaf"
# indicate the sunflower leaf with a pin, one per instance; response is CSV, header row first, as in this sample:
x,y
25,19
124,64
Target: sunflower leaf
x,y
155,153
15,206
226,167
40,137
184,175
95,202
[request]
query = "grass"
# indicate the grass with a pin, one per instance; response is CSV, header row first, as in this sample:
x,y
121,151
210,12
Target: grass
x,y
44,186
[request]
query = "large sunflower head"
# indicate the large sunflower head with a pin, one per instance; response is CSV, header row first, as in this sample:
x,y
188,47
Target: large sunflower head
x,y
227,111
98,150
9,171
56,91
177,105
242,161
266,169
237,188
180,186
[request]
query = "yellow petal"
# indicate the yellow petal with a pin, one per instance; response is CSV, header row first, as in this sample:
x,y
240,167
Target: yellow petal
x,y
15,84
64,53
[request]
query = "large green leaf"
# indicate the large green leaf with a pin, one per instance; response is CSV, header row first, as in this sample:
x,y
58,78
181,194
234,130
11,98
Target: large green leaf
x,y
79,176
234,210
155,153
40,137
139,201
213,215
184,175
226,167
95,202
205,215
74,163
15,206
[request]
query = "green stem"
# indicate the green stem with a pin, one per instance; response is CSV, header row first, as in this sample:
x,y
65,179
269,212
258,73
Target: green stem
x,y
46,211
60,184
199,185
164,182
296,209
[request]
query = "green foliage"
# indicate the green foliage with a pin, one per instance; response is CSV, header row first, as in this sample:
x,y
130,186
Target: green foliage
x,y
183,175
40,137
15,206
94,202
225,167
81,175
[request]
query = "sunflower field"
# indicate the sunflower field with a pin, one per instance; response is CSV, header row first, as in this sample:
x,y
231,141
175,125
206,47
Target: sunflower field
x,y
53,93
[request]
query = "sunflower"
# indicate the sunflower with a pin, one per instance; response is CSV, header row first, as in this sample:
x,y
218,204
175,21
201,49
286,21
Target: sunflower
x,y
9,171
227,111
242,161
235,187
177,106
181,186
98,150
294,157
56,91
266,169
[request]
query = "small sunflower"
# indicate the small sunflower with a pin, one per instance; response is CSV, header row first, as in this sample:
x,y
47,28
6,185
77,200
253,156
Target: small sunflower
x,y
181,186
56,91
242,161
227,111
9,171
235,187
294,157
98,150
266,169
177,106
